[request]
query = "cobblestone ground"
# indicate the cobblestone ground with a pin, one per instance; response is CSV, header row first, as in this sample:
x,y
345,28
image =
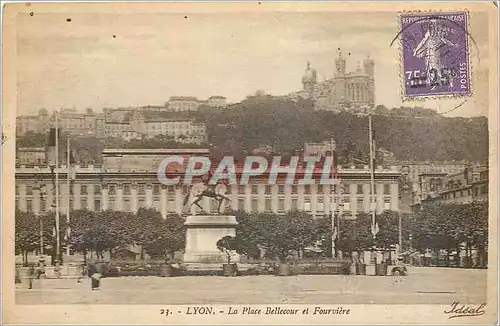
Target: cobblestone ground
x,y
422,286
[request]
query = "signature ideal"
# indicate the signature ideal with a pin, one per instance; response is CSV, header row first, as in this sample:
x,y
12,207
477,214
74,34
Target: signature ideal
x,y
462,310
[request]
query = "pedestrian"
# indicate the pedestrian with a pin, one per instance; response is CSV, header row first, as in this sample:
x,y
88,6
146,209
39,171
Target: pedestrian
x,y
399,270
40,273
95,277
31,276
349,278
81,272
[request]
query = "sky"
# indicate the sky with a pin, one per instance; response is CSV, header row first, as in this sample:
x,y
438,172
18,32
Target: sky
x,y
116,60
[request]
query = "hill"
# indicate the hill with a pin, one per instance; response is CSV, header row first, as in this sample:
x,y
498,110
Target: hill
x,y
409,133
284,125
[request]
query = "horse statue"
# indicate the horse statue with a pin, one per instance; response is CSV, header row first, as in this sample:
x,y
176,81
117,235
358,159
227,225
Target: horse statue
x,y
199,190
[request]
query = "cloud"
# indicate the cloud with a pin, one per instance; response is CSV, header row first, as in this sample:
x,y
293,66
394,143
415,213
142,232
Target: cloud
x,y
155,56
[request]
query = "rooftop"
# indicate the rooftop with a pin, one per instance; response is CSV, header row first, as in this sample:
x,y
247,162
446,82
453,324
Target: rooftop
x,y
183,98
30,149
142,151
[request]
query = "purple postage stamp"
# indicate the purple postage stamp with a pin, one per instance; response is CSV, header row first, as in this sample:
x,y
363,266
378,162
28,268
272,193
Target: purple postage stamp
x,y
435,54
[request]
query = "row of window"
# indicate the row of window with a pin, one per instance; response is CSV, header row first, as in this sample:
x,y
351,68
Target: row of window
x,y
478,191
141,189
457,194
172,207
83,189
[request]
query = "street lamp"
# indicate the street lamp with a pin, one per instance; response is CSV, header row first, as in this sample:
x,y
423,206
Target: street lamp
x,y
40,217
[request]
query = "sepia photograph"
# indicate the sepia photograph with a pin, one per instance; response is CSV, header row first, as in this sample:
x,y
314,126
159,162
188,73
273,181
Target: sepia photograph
x,y
250,162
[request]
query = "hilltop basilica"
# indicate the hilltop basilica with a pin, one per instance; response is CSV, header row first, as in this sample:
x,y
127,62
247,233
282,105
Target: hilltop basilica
x,y
343,91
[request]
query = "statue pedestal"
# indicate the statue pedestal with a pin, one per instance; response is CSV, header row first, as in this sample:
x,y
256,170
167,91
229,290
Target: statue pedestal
x,y
202,234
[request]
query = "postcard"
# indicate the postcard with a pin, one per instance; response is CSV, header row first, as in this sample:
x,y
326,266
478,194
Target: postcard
x,y
250,163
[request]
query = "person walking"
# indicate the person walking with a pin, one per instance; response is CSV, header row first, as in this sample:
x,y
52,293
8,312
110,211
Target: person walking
x,y
81,272
31,276
95,276
349,278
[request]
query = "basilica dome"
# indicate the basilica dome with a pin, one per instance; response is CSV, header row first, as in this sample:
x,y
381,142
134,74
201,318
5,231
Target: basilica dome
x,y
310,75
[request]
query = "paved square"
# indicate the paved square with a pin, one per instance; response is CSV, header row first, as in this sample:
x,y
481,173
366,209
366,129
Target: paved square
x,y
422,286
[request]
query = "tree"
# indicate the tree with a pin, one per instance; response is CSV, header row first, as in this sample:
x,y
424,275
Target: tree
x,y
168,237
387,236
27,236
99,231
144,228
32,139
248,233
355,235
382,110
228,245
282,234
448,226
323,234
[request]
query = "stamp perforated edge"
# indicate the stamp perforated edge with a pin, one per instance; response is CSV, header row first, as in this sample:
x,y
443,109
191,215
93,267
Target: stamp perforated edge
x,y
405,98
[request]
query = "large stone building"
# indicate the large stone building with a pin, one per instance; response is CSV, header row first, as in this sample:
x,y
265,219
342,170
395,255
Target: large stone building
x,y
125,123
31,156
76,123
470,184
128,180
33,123
183,103
345,90
412,169
217,101
320,148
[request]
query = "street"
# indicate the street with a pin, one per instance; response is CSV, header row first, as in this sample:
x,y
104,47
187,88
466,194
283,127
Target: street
x,y
424,285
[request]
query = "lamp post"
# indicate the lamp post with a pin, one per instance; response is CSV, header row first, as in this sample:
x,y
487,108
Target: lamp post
x,y
40,218
374,228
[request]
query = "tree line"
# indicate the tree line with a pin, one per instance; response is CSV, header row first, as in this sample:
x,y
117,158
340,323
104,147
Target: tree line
x,y
452,228
101,232
448,227
299,233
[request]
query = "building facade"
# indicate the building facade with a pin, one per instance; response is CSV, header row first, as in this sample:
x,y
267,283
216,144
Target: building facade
x,y
217,101
469,185
319,149
76,123
33,123
183,103
414,169
128,180
181,130
124,123
345,90
31,156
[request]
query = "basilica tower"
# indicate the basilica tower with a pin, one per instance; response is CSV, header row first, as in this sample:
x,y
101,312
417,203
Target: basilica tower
x,y
340,65
309,79
369,66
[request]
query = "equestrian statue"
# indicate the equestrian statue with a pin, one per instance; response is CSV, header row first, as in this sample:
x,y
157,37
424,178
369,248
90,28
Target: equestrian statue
x,y
203,189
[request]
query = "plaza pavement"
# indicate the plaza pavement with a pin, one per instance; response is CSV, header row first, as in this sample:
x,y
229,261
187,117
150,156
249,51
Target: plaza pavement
x,y
424,285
